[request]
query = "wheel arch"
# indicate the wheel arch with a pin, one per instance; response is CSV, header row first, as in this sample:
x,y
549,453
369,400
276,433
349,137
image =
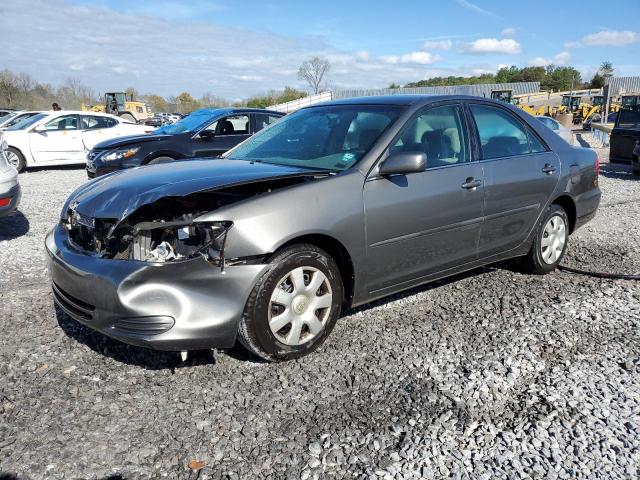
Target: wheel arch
x,y
569,206
152,156
338,252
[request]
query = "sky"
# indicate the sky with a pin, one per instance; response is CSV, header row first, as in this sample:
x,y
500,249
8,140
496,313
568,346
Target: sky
x,y
236,49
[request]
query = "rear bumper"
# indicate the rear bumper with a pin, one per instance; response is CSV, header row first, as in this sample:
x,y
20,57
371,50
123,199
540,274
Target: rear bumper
x,y
586,206
179,306
13,195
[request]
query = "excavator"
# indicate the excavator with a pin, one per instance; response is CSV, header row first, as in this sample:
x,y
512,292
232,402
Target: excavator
x,y
117,103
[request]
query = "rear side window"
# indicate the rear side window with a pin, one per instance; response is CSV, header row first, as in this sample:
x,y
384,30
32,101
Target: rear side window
x,y
96,122
263,120
549,123
501,135
437,132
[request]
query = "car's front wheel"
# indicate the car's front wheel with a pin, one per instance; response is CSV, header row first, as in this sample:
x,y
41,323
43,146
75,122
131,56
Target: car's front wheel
x,y
550,242
15,158
294,306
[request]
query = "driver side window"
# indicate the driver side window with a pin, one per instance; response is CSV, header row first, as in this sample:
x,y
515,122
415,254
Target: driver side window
x,y
437,132
65,122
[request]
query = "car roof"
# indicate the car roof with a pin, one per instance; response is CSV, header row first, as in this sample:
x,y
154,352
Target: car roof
x,y
226,110
403,100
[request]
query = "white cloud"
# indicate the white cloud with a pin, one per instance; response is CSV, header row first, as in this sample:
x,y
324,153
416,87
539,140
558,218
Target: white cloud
x,y
437,45
422,58
493,45
508,32
607,38
572,44
560,59
611,38
475,8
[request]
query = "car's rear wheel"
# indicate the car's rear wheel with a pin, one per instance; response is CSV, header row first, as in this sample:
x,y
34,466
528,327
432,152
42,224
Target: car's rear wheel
x,y
294,306
15,158
550,242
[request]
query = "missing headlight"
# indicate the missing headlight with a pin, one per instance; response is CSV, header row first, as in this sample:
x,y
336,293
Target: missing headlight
x,y
177,240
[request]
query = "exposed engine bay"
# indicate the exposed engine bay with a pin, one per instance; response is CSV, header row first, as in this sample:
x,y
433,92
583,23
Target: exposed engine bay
x,y
165,230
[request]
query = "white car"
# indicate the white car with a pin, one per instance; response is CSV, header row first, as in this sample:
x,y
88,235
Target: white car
x,y
565,133
9,186
62,137
15,118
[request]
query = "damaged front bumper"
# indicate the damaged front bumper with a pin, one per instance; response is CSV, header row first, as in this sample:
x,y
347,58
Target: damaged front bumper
x,y
185,305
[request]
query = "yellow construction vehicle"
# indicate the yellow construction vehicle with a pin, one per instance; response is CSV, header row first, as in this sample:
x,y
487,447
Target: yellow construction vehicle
x,y
117,103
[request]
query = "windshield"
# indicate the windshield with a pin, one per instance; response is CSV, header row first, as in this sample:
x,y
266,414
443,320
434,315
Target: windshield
x,y
326,138
27,122
191,123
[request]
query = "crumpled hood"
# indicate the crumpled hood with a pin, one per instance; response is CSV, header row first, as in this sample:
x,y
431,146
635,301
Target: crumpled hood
x,y
129,139
119,194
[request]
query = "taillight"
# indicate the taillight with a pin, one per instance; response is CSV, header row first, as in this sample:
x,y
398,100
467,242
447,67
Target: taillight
x,y
597,165
4,202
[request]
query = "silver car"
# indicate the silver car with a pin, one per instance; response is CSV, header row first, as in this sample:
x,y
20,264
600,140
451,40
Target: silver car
x,y
334,206
9,186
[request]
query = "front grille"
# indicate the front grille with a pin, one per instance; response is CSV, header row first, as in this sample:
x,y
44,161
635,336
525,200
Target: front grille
x,y
72,304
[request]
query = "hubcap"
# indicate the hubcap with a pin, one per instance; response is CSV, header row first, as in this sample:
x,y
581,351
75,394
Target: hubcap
x,y
12,158
554,237
300,306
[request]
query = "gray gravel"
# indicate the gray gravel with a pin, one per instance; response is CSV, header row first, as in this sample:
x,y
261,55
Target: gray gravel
x,y
492,374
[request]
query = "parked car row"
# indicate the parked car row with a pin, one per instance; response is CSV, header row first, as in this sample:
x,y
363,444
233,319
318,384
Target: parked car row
x,y
203,133
329,207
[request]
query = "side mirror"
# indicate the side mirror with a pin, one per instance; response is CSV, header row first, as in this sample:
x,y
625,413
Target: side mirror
x,y
207,134
403,163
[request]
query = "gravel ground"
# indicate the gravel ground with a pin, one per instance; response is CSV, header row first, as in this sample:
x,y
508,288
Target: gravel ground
x,y
492,374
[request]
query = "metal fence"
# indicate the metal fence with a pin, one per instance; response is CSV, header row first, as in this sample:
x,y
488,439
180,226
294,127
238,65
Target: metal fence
x,y
479,90
622,85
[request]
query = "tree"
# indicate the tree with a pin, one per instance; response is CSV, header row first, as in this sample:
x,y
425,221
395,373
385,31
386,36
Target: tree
x,y
274,98
157,103
393,85
313,71
186,103
131,92
597,81
606,69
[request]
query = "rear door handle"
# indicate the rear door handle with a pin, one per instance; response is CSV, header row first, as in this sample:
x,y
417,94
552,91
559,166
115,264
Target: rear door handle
x,y
548,169
471,183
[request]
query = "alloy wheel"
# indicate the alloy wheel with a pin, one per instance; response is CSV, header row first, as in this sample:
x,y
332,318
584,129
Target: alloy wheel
x,y
300,306
12,158
554,237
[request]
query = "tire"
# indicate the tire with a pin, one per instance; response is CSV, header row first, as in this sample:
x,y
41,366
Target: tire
x,y
16,159
543,259
126,116
158,160
305,263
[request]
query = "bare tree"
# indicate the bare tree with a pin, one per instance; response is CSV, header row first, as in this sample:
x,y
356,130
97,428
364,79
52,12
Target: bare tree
x,y
313,71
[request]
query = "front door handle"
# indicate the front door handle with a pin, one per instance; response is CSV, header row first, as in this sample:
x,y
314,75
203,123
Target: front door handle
x,y
548,168
471,183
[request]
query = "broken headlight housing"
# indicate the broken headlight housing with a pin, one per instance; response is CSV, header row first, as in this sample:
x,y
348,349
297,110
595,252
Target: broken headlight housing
x,y
177,240
119,154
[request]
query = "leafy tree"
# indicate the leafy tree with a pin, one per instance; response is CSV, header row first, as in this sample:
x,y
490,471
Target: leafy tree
x,y
186,103
393,85
275,97
597,81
